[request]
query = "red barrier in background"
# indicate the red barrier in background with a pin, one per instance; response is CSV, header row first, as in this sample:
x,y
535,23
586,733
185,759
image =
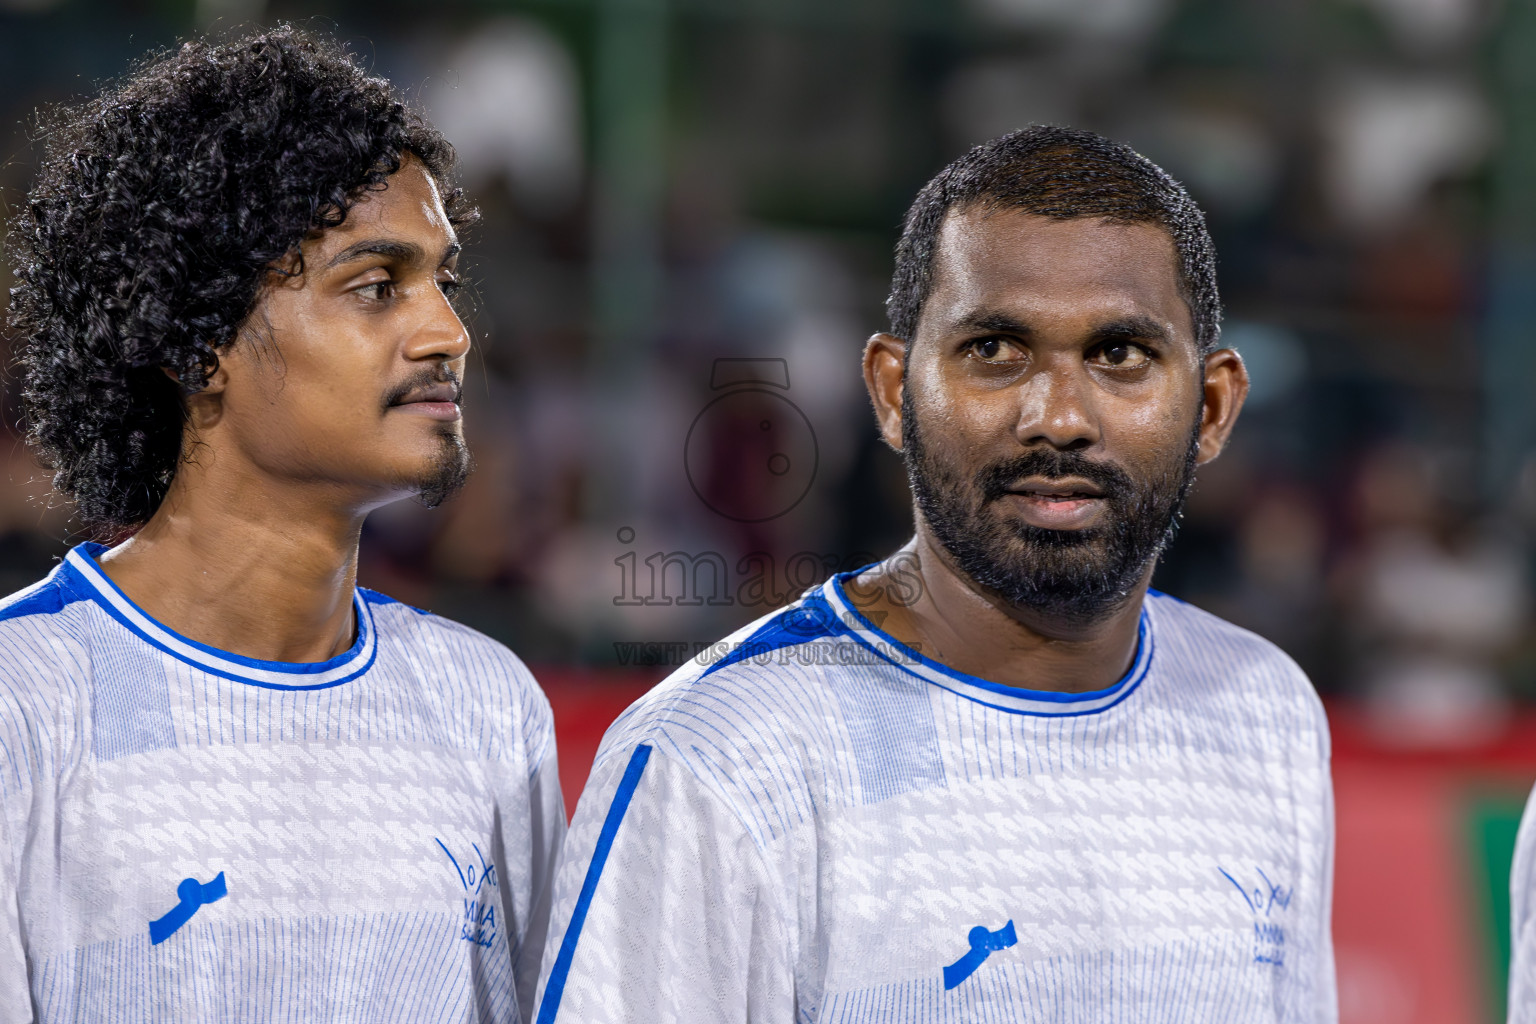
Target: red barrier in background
x,y
585,703
1421,881
1421,876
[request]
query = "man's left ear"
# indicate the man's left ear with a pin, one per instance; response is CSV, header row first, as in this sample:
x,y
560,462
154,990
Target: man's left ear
x,y
1226,387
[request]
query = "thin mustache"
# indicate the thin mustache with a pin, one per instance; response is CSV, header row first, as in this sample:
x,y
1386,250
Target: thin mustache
x,y
993,481
425,378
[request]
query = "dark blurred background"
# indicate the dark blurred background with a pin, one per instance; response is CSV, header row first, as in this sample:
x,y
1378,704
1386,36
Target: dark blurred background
x,y
688,213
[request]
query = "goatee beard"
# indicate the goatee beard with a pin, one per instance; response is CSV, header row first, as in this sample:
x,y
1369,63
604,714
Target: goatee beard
x,y
1071,575
448,472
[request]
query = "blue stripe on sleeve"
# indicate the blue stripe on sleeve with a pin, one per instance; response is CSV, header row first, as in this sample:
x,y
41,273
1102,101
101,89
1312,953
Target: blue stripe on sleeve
x,y
556,987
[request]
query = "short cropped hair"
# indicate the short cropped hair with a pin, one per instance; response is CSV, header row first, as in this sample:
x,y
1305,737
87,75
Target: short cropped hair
x,y
1063,173
160,210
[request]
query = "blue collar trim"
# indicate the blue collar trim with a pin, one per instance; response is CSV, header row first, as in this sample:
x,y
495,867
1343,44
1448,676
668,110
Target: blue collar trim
x,y
274,675
1001,696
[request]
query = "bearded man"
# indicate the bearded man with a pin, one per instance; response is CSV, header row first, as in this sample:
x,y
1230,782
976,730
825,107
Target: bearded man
x,y
995,777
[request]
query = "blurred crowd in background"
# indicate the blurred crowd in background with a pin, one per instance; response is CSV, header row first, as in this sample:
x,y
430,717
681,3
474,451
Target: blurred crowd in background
x,y
689,208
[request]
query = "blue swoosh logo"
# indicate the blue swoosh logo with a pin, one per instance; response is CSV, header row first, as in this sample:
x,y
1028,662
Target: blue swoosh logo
x,y
194,895
983,945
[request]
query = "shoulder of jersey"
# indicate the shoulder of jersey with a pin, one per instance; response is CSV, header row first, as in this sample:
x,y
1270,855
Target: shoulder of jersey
x,y
1206,652
747,714
1190,629
41,625
396,618
475,655
736,668
45,667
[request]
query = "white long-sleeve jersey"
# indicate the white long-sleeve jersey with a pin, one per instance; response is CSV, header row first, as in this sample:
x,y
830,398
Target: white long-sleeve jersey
x,y
191,836
821,824
1522,920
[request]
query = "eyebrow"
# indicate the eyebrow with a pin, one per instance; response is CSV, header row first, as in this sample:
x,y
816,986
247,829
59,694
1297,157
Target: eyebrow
x,y
390,249
988,321
1132,326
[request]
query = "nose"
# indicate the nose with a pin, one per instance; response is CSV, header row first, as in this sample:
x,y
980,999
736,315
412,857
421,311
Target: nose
x,y
1056,408
439,334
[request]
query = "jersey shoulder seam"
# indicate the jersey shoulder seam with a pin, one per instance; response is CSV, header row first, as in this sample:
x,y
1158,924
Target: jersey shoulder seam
x,y
734,815
48,596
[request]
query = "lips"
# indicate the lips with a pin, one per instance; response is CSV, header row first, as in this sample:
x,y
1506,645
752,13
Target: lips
x,y
433,399
1062,503
1062,489
444,392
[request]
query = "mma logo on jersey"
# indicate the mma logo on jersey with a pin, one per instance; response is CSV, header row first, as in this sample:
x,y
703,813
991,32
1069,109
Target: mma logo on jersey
x,y
1268,901
481,897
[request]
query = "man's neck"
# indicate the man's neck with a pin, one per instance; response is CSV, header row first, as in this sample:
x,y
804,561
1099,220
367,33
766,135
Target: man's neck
x,y
971,630
256,574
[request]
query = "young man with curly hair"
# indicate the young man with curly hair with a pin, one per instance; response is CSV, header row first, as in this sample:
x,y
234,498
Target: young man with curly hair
x,y
233,784
993,778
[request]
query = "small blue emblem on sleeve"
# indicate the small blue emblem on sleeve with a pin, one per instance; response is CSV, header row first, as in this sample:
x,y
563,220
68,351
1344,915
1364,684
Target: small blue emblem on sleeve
x,y
193,895
983,945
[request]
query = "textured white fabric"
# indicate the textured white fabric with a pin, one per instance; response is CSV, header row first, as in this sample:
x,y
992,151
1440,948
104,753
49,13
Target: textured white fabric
x,y
816,824
1522,920
384,823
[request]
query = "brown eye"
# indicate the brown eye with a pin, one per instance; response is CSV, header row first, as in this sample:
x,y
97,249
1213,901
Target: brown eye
x,y
995,350
375,292
1122,355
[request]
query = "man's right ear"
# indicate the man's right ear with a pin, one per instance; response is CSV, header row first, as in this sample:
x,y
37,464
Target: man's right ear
x,y
885,365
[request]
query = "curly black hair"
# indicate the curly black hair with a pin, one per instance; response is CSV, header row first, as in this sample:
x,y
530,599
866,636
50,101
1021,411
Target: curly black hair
x,y
1062,173
160,210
